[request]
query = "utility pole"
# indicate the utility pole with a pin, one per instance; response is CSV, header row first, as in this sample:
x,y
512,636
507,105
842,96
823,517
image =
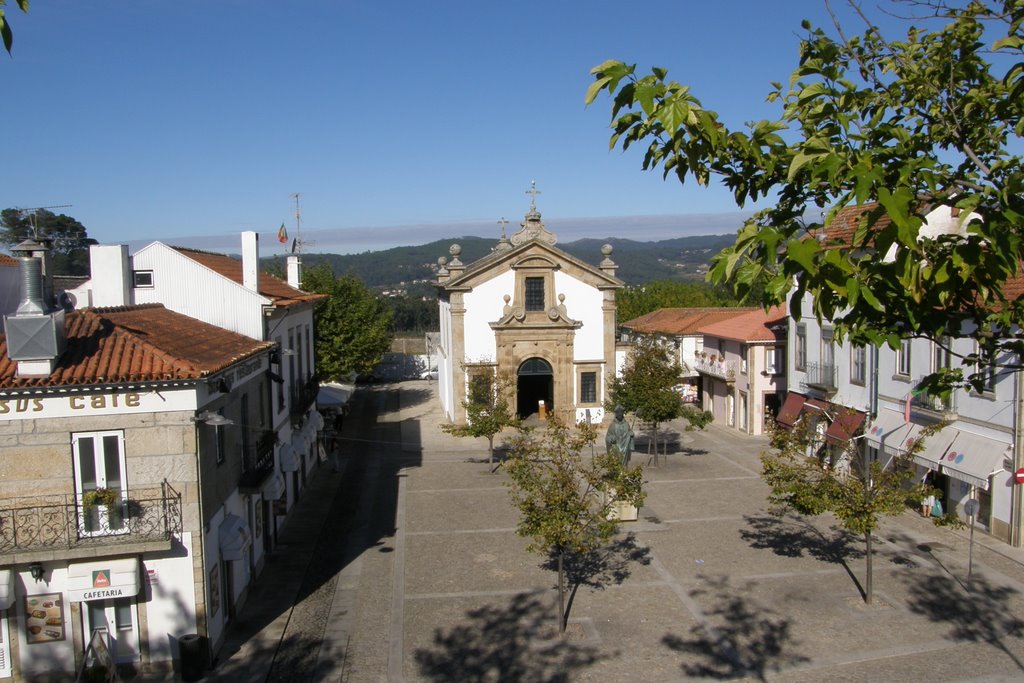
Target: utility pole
x,y
31,215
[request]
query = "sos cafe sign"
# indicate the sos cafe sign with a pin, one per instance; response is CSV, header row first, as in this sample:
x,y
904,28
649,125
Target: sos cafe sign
x,y
107,403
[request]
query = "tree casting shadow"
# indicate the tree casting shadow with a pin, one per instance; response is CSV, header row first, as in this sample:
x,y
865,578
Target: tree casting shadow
x,y
980,615
502,644
740,638
599,568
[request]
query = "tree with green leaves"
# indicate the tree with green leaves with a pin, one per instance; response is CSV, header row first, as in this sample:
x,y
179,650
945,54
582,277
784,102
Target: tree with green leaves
x,y
488,408
645,388
5,26
566,499
898,126
637,300
812,478
70,240
353,325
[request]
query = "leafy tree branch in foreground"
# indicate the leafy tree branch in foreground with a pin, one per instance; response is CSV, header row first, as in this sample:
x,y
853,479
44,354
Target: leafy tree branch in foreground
x,y
895,125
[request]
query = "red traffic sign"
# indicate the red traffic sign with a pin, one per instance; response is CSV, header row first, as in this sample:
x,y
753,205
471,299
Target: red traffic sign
x,y
1018,476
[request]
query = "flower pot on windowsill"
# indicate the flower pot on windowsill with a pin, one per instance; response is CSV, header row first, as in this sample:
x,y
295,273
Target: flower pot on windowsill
x,y
108,498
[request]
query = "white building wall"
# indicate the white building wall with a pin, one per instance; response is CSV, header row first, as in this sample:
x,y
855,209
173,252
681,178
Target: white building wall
x,y
445,364
183,285
483,306
583,302
168,588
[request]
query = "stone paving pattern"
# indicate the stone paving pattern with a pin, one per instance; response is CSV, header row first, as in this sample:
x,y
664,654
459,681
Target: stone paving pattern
x,y
405,566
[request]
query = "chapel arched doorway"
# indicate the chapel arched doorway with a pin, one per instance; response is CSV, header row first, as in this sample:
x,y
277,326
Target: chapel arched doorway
x,y
534,383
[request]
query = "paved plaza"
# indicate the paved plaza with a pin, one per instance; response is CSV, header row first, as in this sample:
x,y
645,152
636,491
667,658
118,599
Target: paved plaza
x,y
405,566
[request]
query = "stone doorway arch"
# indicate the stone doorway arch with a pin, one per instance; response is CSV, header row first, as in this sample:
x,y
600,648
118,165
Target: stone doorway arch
x,y
535,382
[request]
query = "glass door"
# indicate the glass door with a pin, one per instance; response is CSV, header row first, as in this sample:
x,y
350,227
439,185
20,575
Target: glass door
x,y
117,621
100,482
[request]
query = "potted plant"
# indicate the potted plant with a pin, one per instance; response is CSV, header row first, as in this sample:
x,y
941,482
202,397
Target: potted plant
x,y
93,499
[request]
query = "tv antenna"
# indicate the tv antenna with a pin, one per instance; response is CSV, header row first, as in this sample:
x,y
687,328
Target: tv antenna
x,y
298,242
30,214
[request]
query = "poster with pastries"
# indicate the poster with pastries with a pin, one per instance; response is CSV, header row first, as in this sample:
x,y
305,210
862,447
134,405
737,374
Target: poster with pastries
x,y
44,618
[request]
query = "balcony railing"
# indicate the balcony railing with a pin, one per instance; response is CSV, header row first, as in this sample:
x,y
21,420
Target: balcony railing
x,y
822,376
258,463
63,522
303,395
936,404
717,368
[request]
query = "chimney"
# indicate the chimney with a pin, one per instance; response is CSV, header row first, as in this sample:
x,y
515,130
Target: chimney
x,y
295,271
111,272
36,335
251,261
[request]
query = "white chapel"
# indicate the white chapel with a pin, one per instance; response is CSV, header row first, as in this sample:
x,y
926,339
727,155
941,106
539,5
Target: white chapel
x,y
532,312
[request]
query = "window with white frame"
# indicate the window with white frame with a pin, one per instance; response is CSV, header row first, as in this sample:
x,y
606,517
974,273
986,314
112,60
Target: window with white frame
x,y
903,358
774,360
942,355
828,348
743,358
99,481
858,364
800,352
987,367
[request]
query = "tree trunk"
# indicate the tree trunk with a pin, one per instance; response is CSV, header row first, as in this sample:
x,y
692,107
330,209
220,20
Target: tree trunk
x,y
561,593
490,451
867,580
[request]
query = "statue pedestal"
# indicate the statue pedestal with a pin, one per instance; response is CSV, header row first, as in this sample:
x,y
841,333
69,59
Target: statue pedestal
x,y
620,509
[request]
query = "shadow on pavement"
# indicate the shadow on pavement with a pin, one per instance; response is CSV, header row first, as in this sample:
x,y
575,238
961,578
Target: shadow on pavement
x,y
741,639
602,567
503,644
981,614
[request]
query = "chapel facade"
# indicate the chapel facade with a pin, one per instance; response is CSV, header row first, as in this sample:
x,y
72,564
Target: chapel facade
x,y
532,313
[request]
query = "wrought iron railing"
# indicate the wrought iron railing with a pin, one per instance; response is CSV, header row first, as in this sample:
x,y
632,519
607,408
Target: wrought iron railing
x,y
63,521
303,395
938,404
258,462
717,368
822,376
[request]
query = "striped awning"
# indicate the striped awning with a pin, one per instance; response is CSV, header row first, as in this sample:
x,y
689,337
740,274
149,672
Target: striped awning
x,y
935,447
973,459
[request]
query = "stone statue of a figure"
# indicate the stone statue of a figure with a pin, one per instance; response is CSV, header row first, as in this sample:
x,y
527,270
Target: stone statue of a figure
x,y
620,436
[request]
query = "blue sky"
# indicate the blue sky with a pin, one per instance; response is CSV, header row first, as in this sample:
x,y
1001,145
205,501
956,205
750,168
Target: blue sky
x,y
398,122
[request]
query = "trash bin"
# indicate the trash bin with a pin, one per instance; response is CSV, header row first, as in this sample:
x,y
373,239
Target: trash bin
x,y
193,652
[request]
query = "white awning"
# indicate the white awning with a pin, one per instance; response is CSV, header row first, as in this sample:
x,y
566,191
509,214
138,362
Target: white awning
x,y
973,459
286,456
935,447
334,395
274,487
235,538
889,432
6,588
103,579
316,419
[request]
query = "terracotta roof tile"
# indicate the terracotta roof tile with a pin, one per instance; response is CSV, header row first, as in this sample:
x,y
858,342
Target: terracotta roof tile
x,y
681,321
145,343
752,326
275,289
6,260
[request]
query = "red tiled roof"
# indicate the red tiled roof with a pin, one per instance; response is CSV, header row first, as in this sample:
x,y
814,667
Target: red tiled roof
x,y
145,343
278,291
751,326
6,260
681,321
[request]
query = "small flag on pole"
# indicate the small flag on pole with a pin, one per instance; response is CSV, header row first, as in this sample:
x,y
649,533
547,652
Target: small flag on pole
x,y
282,235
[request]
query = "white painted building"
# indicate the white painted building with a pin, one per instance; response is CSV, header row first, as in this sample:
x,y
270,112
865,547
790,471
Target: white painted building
x,y
136,470
871,394
534,313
